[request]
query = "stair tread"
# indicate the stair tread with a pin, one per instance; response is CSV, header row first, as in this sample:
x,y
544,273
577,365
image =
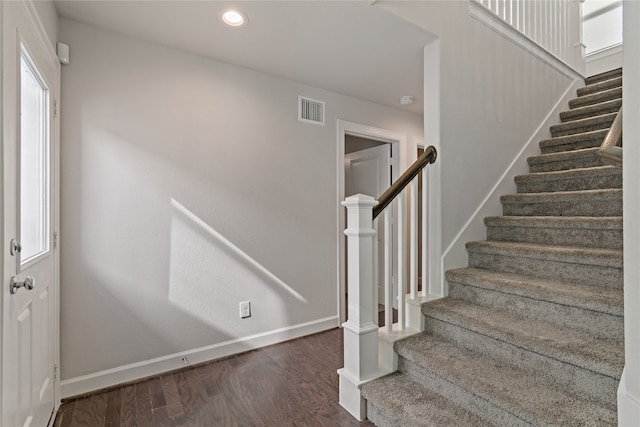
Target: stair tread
x,y
599,120
578,173
587,111
575,138
411,404
593,98
563,155
603,76
573,222
575,231
602,355
562,196
530,397
599,299
570,254
600,86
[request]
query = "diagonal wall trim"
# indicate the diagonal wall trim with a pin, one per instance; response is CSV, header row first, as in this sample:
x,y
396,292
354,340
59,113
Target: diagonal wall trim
x,y
135,371
455,254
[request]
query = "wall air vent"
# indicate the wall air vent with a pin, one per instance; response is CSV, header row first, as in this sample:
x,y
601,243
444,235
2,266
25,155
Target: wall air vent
x,y
310,111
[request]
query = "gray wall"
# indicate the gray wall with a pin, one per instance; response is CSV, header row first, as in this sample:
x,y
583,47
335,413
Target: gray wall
x,y
166,156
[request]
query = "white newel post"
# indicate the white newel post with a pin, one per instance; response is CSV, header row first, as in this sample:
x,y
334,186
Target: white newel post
x,y
360,332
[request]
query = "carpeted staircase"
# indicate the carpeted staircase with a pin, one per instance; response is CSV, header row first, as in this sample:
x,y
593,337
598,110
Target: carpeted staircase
x,y
532,331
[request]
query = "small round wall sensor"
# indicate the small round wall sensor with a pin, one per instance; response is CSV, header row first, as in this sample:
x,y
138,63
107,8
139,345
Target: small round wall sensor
x,y
406,100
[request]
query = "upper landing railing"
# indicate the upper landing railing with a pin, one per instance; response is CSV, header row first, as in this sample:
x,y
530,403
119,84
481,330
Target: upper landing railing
x,y
366,355
554,25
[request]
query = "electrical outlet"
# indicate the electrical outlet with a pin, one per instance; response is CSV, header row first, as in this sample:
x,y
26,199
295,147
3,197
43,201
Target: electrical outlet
x,y
245,309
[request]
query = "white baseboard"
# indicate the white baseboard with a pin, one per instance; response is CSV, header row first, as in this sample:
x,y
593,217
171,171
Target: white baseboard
x,y
628,405
455,255
127,373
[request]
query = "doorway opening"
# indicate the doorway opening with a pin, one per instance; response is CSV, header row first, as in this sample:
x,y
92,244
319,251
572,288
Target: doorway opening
x,y
368,162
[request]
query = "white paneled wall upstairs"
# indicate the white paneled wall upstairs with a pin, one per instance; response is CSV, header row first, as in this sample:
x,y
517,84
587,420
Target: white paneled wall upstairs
x,y
555,25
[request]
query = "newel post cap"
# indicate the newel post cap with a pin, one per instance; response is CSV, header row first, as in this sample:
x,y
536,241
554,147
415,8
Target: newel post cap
x,y
359,200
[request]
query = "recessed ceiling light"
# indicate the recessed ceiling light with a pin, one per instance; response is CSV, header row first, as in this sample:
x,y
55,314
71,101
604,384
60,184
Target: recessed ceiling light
x,y
234,18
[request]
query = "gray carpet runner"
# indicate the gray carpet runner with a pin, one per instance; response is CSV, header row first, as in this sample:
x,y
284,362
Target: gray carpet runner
x,y
532,331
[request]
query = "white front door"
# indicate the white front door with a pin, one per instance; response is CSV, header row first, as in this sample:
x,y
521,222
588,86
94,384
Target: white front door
x,y
29,294
368,172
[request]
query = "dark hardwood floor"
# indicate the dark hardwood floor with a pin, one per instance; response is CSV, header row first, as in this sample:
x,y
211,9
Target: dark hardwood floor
x,y
290,384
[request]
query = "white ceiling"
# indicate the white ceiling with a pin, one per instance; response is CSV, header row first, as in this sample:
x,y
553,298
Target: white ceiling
x,y
349,47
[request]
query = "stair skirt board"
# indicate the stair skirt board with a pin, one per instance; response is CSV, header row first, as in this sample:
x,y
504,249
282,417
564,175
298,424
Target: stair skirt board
x,y
532,332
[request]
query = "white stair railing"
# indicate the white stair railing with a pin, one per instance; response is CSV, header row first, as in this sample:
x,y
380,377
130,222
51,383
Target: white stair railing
x,y
368,349
555,25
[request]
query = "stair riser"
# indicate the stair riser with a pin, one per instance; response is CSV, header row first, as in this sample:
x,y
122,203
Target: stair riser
x,y
600,238
460,395
572,128
607,207
576,184
429,409
582,381
600,86
599,324
596,98
579,161
379,418
590,111
592,143
593,275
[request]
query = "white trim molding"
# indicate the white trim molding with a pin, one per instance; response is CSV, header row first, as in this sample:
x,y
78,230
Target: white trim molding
x,y
432,124
147,368
629,389
628,405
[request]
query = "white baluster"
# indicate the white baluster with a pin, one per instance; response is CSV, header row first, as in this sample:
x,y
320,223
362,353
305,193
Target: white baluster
x,y
388,284
531,19
413,253
376,272
402,257
360,332
425,285
522,17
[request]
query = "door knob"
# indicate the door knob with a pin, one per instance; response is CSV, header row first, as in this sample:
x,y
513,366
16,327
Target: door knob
x,y
29,283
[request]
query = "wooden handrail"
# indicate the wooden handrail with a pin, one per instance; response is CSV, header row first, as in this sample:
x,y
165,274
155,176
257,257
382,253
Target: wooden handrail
x,y
611,149
427,157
